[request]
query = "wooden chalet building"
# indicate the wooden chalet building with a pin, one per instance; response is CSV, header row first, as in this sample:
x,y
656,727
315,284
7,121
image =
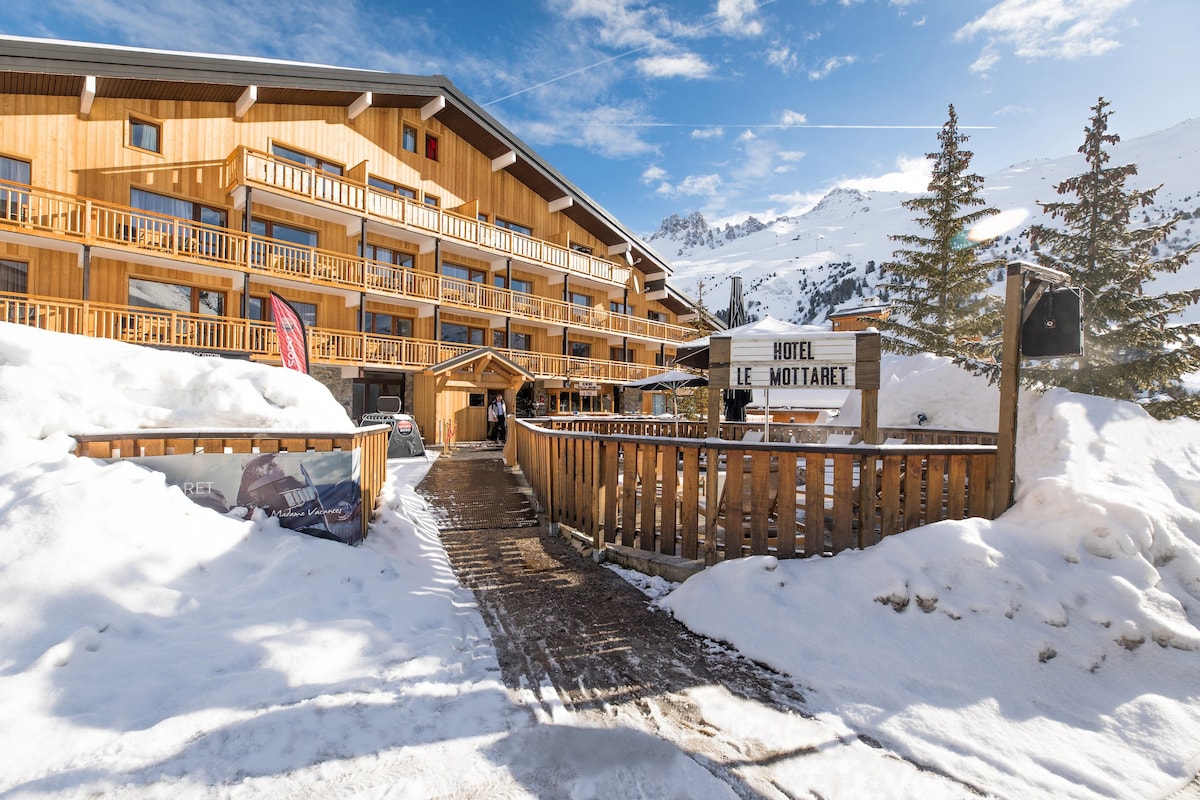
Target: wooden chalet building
x,y
159,197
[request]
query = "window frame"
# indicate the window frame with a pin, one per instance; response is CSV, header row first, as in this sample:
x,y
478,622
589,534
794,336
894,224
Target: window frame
x,y
395,323
11,266
515,227
405,130
432,147
306,311
469,330
391,187
318,163
473,274
135,120
195,297
26,162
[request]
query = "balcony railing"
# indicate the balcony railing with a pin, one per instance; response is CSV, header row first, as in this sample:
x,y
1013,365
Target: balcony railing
x,y
140,325
252,167
61,216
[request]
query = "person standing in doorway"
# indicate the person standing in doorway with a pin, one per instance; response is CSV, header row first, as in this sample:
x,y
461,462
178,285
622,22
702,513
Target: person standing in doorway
x,y
493,419
497,410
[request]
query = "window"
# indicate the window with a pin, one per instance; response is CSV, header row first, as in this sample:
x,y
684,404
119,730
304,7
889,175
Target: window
x,y
14,276
514,227
284,233
658,360
516,341
15,170
14,204
304,158
462,334
430,200
408,139
175,297
463,273
617,307
431,147
389,256
518,285
581,350
620,354
656,316
582,248
388,324
581,299
260,308
145,135
393,188
176,207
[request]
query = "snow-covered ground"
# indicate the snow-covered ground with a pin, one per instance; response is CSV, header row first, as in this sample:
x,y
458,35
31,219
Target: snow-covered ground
x,y
153,648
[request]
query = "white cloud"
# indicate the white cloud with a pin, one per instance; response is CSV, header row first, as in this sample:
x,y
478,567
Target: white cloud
x,y
686,65
829,66
715,132
1012,111
1066,29
737,17
653,174
746,136
791,155
988,58
692,186
600,129
910,175
782,58
789,117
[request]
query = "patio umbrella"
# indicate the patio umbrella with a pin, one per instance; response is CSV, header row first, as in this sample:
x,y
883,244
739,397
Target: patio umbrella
x,y
736,400
671,382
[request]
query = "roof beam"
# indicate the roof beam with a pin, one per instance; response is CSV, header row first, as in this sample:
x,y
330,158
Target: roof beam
x,y
360,105
561,203
432,107
249,98
87,95
506,160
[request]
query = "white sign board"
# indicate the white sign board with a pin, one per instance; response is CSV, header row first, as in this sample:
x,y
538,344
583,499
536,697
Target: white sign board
x,y
845,360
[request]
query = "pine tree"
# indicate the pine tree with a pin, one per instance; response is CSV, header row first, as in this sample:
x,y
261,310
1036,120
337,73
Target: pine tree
x,y
938,287
1132,349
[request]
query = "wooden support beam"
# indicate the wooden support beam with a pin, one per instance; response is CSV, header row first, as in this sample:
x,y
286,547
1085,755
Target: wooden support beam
x,y
361,104
432,107
561,203
87,95
506,160
249,98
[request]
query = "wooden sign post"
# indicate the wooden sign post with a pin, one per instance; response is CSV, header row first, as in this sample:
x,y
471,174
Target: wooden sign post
x,y
818,360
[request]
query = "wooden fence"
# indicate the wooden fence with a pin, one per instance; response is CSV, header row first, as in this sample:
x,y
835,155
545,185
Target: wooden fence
x,y
373,440
711,500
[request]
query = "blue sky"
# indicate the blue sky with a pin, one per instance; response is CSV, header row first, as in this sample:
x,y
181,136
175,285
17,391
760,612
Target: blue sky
x,y
729,107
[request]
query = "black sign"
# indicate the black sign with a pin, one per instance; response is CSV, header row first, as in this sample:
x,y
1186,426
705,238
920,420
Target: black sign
x,y
1054,328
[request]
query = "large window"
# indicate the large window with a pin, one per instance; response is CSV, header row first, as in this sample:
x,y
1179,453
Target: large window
x,y
518,285
15,170
393,188
260,308
145,135
388,324
579,299
620,354
513,226
389,256
176,207
284,233
14,276
516,341
581,350
279,151
463,273
175,297
617,307
463,334
14,204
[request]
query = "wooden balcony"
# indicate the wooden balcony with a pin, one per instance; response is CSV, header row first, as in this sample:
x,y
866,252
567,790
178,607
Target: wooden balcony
x,y
248,167
256,338
29,214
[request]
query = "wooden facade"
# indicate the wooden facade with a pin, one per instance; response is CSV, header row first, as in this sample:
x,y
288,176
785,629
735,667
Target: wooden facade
x,y
412,228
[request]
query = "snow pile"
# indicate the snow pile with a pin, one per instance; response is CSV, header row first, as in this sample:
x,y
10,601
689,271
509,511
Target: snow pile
x,y
1050,653
947,396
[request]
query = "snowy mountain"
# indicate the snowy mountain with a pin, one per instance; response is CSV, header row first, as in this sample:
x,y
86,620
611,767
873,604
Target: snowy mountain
x,y
800,268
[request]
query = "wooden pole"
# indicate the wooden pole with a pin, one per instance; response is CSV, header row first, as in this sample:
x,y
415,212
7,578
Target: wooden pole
x,y
869,423
1010,381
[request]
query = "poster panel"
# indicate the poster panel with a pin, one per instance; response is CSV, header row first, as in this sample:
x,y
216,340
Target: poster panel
x,y
314,493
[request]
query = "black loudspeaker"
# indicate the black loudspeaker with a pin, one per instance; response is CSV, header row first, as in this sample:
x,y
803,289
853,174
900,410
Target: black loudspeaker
x,y
1054,328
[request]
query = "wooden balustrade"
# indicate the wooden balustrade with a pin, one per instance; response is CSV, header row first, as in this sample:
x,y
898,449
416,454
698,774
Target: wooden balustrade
x,y
371,440
626,482
121,227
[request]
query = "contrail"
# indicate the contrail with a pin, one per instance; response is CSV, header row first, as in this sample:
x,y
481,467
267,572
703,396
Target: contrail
x,y
784,125
574,72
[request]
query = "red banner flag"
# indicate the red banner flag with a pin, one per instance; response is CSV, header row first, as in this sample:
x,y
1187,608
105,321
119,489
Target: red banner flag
x,y
293,338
